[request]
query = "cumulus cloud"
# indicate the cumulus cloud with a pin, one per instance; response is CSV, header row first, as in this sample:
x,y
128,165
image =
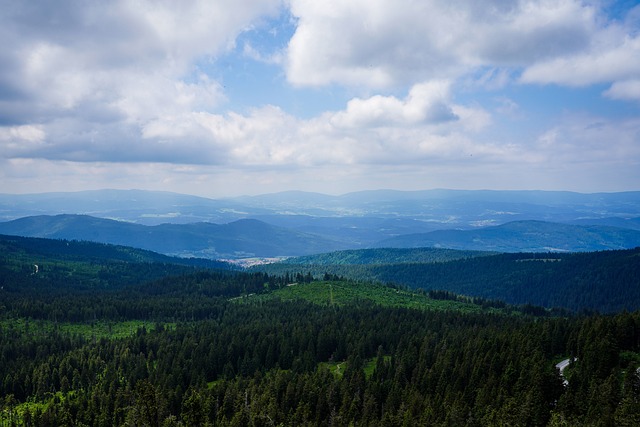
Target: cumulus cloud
x,y
579,139
627,90
26,133
380,43
611,59
383,43
426,103
89,81
132,59
612,56
423,125
127,83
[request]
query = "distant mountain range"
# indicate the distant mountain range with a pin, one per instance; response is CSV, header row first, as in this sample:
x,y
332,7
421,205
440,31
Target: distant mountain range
x,y
523,236
434,208
238,239
300,223
253,238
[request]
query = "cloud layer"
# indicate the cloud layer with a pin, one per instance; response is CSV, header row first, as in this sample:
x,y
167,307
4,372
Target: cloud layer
x,y
382,43
91,84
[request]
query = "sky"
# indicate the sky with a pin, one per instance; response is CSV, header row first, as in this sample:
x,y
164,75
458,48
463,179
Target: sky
x,y
240,97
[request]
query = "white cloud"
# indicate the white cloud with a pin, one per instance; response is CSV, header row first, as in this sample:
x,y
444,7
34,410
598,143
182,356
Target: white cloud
x,y
141,97
22,138
379,43
275,58
578,140
87,84
268,150
129,58
95,78
424,125
411,134
626,90
426,103
26,133
608,60
507,106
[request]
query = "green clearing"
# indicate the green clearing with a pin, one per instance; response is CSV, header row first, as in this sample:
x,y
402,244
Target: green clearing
x,y
337,368
342,293
92,330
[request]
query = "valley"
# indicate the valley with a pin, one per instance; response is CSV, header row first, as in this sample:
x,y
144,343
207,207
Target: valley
x,y
296,223
102,324
268,213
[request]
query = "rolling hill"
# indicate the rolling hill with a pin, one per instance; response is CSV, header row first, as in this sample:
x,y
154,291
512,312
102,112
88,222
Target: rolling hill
x,y
606,281
242,238
253,238
523,236
428,210
32,249
37,266
299,223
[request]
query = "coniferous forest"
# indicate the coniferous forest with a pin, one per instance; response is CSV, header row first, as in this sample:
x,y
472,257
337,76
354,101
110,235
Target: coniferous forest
x,y
98,335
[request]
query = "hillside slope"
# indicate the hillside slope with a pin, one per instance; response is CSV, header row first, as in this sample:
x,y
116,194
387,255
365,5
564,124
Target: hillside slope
x,y
39,266
606,281
386,256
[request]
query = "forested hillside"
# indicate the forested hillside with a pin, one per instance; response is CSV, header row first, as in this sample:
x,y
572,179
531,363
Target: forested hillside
x,y
385,256
606,281
203,346
31,263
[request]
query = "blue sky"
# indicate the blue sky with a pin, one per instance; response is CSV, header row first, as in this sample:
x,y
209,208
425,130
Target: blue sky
x,y
221,98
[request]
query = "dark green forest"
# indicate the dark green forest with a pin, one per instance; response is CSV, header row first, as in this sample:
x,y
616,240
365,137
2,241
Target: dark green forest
x,y
90,339
386,256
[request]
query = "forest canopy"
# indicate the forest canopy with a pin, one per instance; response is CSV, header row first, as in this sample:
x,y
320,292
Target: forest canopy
x,y
198,346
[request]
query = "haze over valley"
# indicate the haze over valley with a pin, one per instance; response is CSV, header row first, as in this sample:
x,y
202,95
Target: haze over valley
x,y
298,223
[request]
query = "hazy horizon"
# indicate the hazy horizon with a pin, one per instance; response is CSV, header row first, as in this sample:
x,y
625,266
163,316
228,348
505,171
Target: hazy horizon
x,y
341,194
262,96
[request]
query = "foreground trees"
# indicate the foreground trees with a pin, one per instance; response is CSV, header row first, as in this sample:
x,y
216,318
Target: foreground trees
x,y
197,350
297,364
